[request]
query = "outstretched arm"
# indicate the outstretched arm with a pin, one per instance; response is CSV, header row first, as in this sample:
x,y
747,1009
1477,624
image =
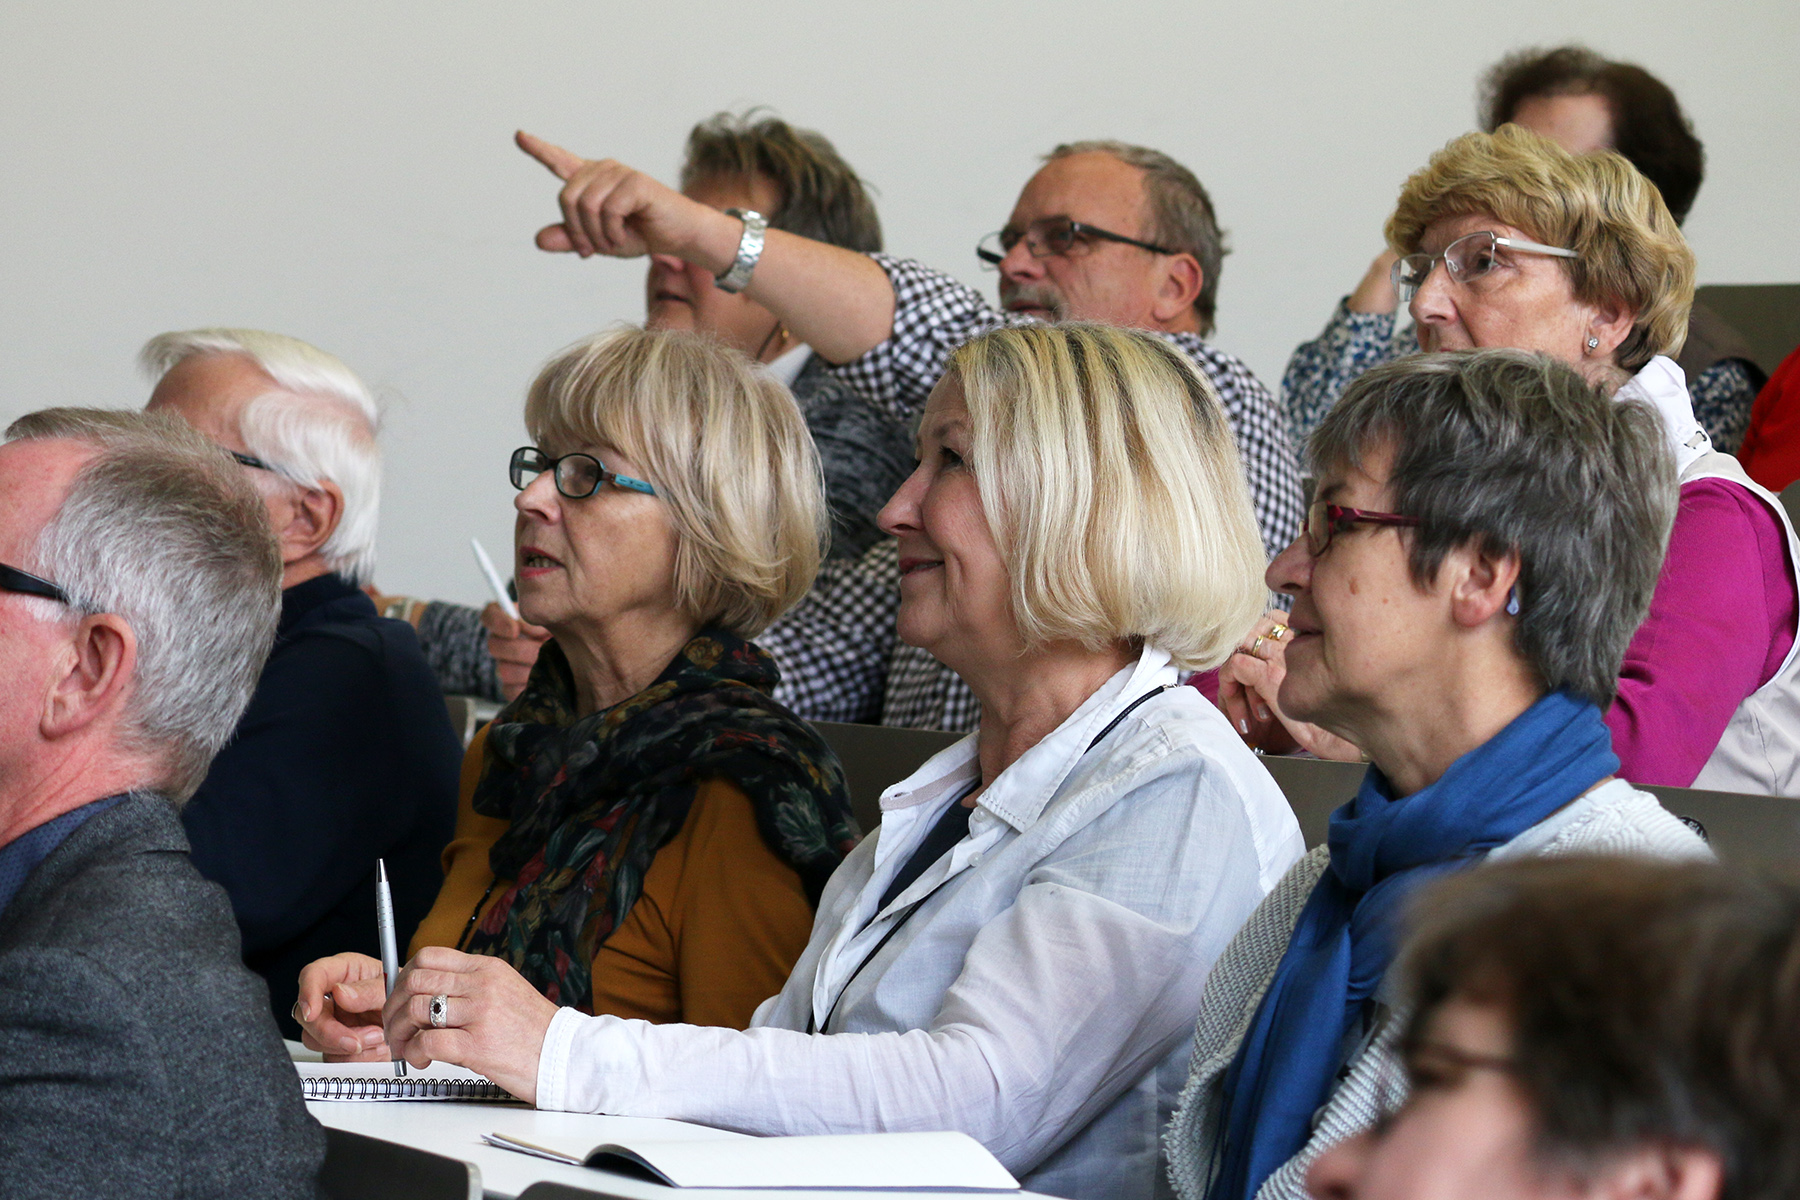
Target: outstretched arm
x,y
837,301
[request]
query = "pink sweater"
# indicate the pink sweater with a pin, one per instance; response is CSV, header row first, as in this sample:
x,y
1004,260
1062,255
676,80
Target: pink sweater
x,y
1720,624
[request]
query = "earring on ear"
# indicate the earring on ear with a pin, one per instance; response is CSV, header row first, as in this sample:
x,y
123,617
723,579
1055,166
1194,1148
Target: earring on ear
x,y
1593,343
1512,602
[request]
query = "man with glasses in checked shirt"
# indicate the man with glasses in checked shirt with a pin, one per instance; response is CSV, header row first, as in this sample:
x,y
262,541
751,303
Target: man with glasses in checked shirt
x,y
1103,232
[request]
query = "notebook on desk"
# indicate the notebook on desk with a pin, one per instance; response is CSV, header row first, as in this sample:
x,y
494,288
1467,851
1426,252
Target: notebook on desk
x,y
377,1081
936,1161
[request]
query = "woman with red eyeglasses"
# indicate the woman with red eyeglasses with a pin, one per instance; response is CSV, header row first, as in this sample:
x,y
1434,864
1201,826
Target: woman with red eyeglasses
x,y
1505,239
1485,539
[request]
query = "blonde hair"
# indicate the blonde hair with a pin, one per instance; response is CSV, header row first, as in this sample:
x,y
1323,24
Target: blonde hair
x,y
1629,249
1113,489
726,449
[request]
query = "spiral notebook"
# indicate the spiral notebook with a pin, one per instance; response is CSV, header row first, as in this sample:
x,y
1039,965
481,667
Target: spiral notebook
x,y
377,1081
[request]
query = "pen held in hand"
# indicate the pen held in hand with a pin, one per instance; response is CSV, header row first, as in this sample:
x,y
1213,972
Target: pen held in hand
x,y
384,927
493,578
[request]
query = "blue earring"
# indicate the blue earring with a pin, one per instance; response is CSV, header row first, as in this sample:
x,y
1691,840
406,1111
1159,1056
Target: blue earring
x,y
1512,602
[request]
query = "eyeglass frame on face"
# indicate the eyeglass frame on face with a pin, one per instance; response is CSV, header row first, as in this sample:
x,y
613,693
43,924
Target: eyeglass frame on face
x,y
1406,290
516,468
26,584
1338,519
1037,233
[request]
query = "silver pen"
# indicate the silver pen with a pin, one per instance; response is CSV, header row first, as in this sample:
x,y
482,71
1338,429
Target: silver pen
x,y
384,925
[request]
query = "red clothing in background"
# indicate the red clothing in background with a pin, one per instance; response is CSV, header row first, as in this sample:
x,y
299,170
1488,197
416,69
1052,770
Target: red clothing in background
x,y
1771,450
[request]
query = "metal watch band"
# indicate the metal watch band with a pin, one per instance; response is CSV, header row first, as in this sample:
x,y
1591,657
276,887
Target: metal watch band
x,y
750,248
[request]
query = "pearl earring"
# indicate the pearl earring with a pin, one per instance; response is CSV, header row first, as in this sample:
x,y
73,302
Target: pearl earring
x,y
1593,343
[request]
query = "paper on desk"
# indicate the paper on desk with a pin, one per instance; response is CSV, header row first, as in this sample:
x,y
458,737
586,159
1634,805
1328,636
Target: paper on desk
x,y
941,1161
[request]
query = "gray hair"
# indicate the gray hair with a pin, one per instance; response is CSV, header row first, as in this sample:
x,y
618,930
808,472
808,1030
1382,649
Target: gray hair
x,y
322,425
163,530
822,197
1180,212
1515,453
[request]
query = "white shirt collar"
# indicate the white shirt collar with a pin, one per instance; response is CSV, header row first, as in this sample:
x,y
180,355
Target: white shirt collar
x,y
1663,387
787,368
1018,797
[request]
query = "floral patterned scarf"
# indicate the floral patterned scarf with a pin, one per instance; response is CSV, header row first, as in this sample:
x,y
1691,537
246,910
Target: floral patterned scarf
x,y
592,799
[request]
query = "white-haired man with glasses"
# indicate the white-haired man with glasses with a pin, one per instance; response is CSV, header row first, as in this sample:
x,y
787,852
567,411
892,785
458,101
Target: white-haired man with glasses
x,y
1103,231
138,598
345,754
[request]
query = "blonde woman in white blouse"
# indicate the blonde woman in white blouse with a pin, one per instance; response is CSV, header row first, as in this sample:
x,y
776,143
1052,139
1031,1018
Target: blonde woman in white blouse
x,y
1020,946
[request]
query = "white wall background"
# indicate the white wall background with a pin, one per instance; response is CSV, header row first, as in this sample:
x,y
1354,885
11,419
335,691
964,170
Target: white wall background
x,y
342,171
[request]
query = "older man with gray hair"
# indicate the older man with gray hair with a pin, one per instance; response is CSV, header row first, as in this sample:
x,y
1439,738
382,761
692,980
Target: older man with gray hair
x,y
346,753
138,599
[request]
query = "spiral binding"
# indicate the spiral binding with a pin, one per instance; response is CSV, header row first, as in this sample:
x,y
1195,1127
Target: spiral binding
x,y
329,1087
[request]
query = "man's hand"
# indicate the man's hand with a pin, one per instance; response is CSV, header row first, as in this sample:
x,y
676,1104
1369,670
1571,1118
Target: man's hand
x,y
1376,294
339,1008
608,208
514,645
494,1021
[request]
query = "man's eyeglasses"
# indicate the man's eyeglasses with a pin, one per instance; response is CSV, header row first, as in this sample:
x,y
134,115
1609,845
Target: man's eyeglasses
x,y
1466,259
578,476
1053,237
250,460
1325,521
14,580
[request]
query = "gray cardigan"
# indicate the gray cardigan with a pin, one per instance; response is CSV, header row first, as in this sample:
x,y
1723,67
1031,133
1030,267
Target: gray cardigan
x,y
137,1055
1614,818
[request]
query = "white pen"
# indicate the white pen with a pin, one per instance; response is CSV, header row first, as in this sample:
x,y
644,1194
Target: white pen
x,y
384,926
493,577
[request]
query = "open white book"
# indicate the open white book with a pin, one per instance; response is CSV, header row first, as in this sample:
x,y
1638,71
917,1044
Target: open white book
x,y
377,1081
934,1161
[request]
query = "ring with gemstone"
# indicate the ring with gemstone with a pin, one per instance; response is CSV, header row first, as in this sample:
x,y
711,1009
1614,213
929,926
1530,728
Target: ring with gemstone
x,y
440,1011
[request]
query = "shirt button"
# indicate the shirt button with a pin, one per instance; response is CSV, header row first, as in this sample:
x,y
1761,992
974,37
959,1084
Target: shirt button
x,y
975,859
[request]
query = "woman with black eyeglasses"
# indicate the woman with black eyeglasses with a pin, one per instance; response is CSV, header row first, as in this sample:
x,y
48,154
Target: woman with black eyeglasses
x,y
643,831
1486,537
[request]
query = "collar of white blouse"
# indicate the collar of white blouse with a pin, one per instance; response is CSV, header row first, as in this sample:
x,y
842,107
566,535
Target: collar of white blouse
x,y
1012,804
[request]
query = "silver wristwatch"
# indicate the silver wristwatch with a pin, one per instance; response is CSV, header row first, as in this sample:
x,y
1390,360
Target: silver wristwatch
x,y
750,248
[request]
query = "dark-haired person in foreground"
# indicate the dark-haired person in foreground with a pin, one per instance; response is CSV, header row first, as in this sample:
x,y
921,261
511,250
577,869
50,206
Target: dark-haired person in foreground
x,y
831,648
138,598
1453,621
1103,231
1592,1028
1584,103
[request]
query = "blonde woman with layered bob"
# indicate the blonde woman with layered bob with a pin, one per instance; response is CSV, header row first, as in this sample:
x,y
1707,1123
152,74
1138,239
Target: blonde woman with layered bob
x,y
643,831
1507,240
1017,952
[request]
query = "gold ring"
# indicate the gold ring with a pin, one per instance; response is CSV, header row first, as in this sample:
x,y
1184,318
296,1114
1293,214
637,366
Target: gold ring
x,y
1279,632
1255,645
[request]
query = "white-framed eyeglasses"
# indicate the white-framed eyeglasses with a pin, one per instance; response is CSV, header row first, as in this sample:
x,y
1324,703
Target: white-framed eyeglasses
x,y
1466,259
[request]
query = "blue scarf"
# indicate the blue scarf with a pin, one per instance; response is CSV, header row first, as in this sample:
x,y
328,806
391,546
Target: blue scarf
x,y
1382,848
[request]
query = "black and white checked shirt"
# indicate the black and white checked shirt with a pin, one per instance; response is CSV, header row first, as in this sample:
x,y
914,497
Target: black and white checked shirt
x,y
933,315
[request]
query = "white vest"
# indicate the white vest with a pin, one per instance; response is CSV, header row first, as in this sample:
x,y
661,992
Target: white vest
x,y
1760,751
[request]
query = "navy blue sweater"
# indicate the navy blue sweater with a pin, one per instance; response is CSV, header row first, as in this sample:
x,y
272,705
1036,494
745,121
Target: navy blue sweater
x,y
345,755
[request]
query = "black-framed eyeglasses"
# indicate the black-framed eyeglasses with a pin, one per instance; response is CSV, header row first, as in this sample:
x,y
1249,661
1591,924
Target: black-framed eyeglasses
x,y
1052,237
14,580
250,460
577,476
1325,521
1466,259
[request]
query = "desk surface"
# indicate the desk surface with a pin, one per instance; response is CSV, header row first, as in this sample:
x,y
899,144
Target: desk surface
x,y
454,1130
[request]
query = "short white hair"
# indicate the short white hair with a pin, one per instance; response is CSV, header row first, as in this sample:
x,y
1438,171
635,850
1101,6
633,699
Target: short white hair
x,y
322,425
161,529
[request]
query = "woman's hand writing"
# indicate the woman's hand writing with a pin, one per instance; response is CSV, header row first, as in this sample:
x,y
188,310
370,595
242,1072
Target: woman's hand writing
x,y
493,1021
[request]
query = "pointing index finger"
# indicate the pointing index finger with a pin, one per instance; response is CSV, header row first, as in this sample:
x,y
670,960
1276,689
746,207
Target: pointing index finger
x,y
561,162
